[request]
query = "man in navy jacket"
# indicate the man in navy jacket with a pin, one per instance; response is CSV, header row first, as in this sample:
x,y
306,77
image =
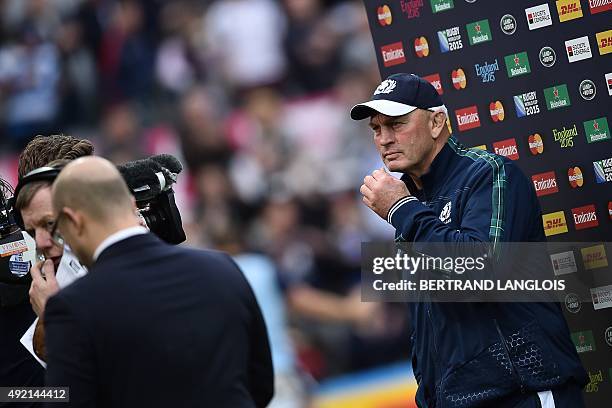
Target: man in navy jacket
x,y
466,354
151,325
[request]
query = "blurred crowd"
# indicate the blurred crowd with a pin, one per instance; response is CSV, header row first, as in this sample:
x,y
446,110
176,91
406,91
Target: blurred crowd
x,y
253,97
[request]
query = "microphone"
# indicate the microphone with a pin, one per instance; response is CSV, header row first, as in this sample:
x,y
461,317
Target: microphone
x,y
142,179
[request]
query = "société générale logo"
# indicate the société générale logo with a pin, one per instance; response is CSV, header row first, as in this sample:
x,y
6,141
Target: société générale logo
x,y
547,56
597,130
450,39
602,297
564,263
479,32
587,89
487,71
603,170
517,64
609,81
538,16
438,6
526,104
557,97
565,136
578,49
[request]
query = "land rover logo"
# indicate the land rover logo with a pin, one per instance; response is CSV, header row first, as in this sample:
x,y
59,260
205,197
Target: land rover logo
x,y
508,24
548,57
587,89
572,303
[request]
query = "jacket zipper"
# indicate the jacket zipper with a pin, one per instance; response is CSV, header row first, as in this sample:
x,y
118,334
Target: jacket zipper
x,y
514,371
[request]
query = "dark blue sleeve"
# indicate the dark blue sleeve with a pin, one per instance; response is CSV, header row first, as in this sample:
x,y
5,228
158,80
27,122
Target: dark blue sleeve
x,y
70,354
501,206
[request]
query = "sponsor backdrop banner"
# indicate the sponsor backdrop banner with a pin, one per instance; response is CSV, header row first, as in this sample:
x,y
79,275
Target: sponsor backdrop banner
x,y
530,80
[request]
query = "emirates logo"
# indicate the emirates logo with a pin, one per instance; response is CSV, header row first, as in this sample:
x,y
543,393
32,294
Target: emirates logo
x,y
385,87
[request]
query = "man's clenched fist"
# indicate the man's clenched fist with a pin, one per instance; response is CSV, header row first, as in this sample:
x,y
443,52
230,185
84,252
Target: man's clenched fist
x,y
381,190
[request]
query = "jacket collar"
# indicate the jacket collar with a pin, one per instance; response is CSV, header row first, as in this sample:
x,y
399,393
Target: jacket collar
x,y
438,172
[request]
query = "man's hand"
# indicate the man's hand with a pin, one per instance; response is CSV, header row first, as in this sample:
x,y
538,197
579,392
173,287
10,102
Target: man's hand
x,y
381,190
43,287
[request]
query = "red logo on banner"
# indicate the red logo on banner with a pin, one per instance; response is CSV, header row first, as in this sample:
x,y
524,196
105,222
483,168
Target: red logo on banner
x,y
545,183
458,78
393,54
434,79
496,109
536,145
585,217
599,6
574,175
506,148
421,47
610,209
384,15
467,118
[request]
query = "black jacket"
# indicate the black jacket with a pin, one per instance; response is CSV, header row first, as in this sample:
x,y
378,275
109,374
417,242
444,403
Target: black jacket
x,y
155,325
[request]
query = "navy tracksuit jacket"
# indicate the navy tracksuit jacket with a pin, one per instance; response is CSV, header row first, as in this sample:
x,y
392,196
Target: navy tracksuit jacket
x,y
480,354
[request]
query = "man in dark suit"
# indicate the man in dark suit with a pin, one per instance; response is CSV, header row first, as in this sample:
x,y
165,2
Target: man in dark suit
x,y
151,325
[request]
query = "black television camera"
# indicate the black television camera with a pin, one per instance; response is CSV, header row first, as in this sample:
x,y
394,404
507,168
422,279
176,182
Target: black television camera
x,y
149,180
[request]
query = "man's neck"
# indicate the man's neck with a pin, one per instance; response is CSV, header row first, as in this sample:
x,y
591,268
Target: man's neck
x,y
417,173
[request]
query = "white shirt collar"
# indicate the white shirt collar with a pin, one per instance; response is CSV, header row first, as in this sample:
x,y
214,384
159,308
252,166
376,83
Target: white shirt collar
x,y
118,236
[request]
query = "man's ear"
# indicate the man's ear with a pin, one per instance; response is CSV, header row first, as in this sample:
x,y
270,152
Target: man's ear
x,y
438,123
75,218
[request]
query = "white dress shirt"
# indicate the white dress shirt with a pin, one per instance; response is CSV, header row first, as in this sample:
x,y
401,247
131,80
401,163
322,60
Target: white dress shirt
x,y
118,236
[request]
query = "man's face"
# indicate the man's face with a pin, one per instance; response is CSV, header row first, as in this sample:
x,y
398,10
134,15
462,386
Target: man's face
x,y
404,142
38,220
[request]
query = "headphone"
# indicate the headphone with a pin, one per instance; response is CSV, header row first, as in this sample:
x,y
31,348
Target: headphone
x,y
46,173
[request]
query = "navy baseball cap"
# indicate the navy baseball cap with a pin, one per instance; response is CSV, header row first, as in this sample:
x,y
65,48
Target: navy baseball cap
x,y
399,95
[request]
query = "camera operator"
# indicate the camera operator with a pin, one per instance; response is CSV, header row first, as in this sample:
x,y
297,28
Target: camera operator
x,y
33,209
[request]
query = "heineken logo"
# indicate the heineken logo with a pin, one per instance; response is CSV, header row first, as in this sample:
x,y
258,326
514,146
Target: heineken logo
x,y
557,97
597,130
479,32
565,136
583,341
587,89
438,6
547,56
517,64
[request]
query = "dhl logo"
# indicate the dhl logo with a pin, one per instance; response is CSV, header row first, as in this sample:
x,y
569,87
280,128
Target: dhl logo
x,y
554,223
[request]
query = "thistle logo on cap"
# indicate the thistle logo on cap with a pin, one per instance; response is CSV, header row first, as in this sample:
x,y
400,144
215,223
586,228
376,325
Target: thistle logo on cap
x,y
385,87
